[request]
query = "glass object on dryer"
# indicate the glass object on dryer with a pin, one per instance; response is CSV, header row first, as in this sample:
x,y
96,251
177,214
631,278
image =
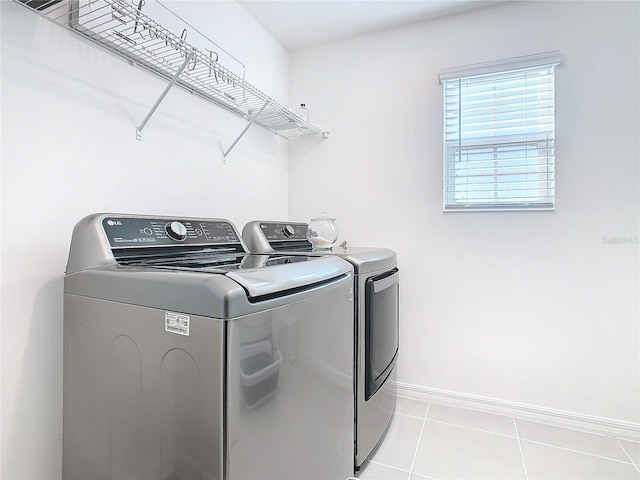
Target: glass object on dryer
x,y
322,232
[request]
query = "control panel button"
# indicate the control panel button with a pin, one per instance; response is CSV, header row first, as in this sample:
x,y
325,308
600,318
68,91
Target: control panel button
x,y
176,230
288,231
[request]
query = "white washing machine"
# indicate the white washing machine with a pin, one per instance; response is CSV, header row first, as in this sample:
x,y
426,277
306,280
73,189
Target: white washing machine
x,y
187,358
376,323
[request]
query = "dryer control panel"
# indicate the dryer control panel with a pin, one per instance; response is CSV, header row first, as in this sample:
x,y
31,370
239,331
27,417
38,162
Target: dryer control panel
x,y
266,236
275,231
126,232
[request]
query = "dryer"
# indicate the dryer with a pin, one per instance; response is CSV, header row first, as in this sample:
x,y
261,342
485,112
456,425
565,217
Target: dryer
x,y
185,357
376,323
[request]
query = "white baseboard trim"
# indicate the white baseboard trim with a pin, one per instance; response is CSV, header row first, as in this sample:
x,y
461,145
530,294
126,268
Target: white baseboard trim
x,y
603,426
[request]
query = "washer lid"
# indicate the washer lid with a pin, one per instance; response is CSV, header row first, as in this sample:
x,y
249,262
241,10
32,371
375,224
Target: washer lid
x,y
259,275
221,294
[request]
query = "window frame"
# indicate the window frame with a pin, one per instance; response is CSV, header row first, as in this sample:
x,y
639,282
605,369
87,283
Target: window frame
x,y
544,143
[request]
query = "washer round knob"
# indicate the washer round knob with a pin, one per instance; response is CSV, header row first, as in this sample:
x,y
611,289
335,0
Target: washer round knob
x,y
288,231
176,230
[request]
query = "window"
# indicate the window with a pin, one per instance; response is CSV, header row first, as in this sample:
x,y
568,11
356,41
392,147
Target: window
x,y
499,132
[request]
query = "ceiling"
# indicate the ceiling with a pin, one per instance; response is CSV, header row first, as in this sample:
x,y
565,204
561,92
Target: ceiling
x,y
299,24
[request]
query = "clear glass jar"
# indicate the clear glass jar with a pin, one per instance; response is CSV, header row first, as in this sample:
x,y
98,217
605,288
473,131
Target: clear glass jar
x,y
322,232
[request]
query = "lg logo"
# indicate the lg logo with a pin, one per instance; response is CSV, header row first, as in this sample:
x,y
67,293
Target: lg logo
x,y
111,223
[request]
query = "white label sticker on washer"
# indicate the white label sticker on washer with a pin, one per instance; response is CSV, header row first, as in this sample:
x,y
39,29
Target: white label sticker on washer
x,y
176,323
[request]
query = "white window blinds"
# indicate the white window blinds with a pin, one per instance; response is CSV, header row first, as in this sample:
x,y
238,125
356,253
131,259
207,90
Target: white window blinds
x,y
499,132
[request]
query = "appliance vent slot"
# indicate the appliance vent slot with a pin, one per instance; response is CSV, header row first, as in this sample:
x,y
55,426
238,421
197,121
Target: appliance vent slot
x,y
182,254
292,245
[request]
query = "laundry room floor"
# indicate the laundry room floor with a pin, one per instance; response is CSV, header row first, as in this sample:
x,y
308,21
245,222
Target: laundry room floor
x,y
431,441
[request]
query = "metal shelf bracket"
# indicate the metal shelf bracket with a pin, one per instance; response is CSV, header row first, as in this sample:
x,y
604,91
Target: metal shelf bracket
x,y
251,122
164,94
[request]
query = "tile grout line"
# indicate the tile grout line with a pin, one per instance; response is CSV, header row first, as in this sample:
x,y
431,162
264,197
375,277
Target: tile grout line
x,y
571,428
475,429
415,454
524,465
582,452
409,415
628,456
389,466
561,425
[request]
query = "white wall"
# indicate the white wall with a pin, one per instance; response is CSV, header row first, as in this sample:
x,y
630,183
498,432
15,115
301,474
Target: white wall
x,y
69,112
531,308
534,308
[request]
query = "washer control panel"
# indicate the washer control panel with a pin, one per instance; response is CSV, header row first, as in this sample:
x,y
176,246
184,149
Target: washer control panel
x,y
124,232
275,231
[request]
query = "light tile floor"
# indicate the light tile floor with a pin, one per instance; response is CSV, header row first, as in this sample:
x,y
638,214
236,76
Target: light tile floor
x,y
431,441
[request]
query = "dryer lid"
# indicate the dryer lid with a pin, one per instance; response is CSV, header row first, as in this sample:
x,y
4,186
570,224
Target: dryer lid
x,y
282,273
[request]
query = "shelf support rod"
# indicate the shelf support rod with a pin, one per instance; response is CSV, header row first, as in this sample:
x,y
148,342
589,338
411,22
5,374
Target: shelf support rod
x,y
164,94
251,122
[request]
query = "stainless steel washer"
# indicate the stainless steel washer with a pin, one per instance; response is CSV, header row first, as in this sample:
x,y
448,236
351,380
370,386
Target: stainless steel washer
x,y
375,327
187,358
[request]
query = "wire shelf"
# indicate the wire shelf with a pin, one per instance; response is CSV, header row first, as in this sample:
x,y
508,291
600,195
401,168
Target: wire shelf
x,y
120,27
